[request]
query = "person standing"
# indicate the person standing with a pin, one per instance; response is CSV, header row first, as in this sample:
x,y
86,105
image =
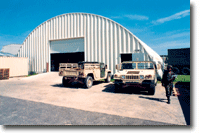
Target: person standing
x,y
167,82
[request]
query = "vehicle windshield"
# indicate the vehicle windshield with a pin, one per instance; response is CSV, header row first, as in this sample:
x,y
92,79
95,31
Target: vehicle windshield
x,y
128,65
145,65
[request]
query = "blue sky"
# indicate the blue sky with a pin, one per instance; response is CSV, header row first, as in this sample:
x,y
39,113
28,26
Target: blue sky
x,y
161,24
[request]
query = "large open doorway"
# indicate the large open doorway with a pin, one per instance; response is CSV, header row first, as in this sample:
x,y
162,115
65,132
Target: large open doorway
x,y
57,58
126,57
132,57
66,51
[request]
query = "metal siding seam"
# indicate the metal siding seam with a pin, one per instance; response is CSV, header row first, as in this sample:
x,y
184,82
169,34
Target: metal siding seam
x,y
91,39
48,45
54,29
95,39
30,52
36,41
74,23
88,39
63,27
103,40
99,39
81,24
131,43
111,46
120,45
39,50
77,25
33,51
106,43
85,37
136,44
66,28
43,48
28,48
24,49
68,25
116,47
57,27
46,49
128,37
72,26
124,41
44,44
60,28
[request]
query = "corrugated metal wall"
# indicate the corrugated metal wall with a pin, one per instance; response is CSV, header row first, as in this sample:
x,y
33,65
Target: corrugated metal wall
x,y
104,40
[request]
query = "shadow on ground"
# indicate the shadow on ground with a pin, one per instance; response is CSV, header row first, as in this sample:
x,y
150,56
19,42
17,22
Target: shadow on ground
x,y
76,85
183,89
155,99
125,90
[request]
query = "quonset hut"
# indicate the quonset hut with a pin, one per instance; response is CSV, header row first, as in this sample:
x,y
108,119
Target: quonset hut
x,y
75,37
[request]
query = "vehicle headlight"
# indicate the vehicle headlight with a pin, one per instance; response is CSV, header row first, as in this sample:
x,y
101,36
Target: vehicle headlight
x,y
148,76
123,77
141,76
116,76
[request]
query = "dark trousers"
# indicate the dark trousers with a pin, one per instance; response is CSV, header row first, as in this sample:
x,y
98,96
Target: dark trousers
x,y
169,89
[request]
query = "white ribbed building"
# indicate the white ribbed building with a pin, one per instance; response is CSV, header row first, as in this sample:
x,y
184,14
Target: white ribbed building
x,y
92,37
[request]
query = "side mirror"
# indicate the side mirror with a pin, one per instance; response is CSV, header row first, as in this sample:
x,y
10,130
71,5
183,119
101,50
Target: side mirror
x,y
106,66
118,67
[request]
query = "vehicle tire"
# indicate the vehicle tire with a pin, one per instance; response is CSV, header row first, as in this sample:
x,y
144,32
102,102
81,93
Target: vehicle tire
x,y
65,82
185,71
108,79
151,90
176,70
117,87
88,82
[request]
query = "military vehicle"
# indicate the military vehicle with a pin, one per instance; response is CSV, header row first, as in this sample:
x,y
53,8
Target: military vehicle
x,y
136,73
84,72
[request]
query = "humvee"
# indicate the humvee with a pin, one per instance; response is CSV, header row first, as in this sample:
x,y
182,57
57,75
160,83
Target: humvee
x,y
84,72
136,73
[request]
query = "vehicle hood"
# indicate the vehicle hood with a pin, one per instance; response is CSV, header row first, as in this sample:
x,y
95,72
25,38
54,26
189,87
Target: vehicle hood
x,y
135,72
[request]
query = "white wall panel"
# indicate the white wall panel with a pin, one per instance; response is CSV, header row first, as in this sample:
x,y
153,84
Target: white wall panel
x,y
67,46
103,40
18,65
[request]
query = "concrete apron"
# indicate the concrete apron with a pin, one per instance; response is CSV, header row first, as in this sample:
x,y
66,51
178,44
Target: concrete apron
x,y
47,88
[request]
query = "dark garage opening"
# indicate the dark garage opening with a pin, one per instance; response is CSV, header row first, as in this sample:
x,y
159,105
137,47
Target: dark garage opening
x,y
57,58
126,57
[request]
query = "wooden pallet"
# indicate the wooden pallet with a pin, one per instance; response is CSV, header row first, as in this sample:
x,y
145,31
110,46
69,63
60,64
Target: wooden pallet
x,y
4,73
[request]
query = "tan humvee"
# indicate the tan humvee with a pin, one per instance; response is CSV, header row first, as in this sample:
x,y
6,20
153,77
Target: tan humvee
x,y
134,73
84,72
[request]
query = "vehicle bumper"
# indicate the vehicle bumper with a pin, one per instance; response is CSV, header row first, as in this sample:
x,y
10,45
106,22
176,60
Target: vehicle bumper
x,y
141,83
74,79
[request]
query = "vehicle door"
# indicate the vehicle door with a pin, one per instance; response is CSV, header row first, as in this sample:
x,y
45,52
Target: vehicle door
x,y
102,69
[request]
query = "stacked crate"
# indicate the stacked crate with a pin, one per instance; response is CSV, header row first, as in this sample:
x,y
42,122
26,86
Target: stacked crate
x,y
4,73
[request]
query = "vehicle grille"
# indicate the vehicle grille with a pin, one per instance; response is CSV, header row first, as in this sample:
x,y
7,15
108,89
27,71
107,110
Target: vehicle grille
x,y
132,77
